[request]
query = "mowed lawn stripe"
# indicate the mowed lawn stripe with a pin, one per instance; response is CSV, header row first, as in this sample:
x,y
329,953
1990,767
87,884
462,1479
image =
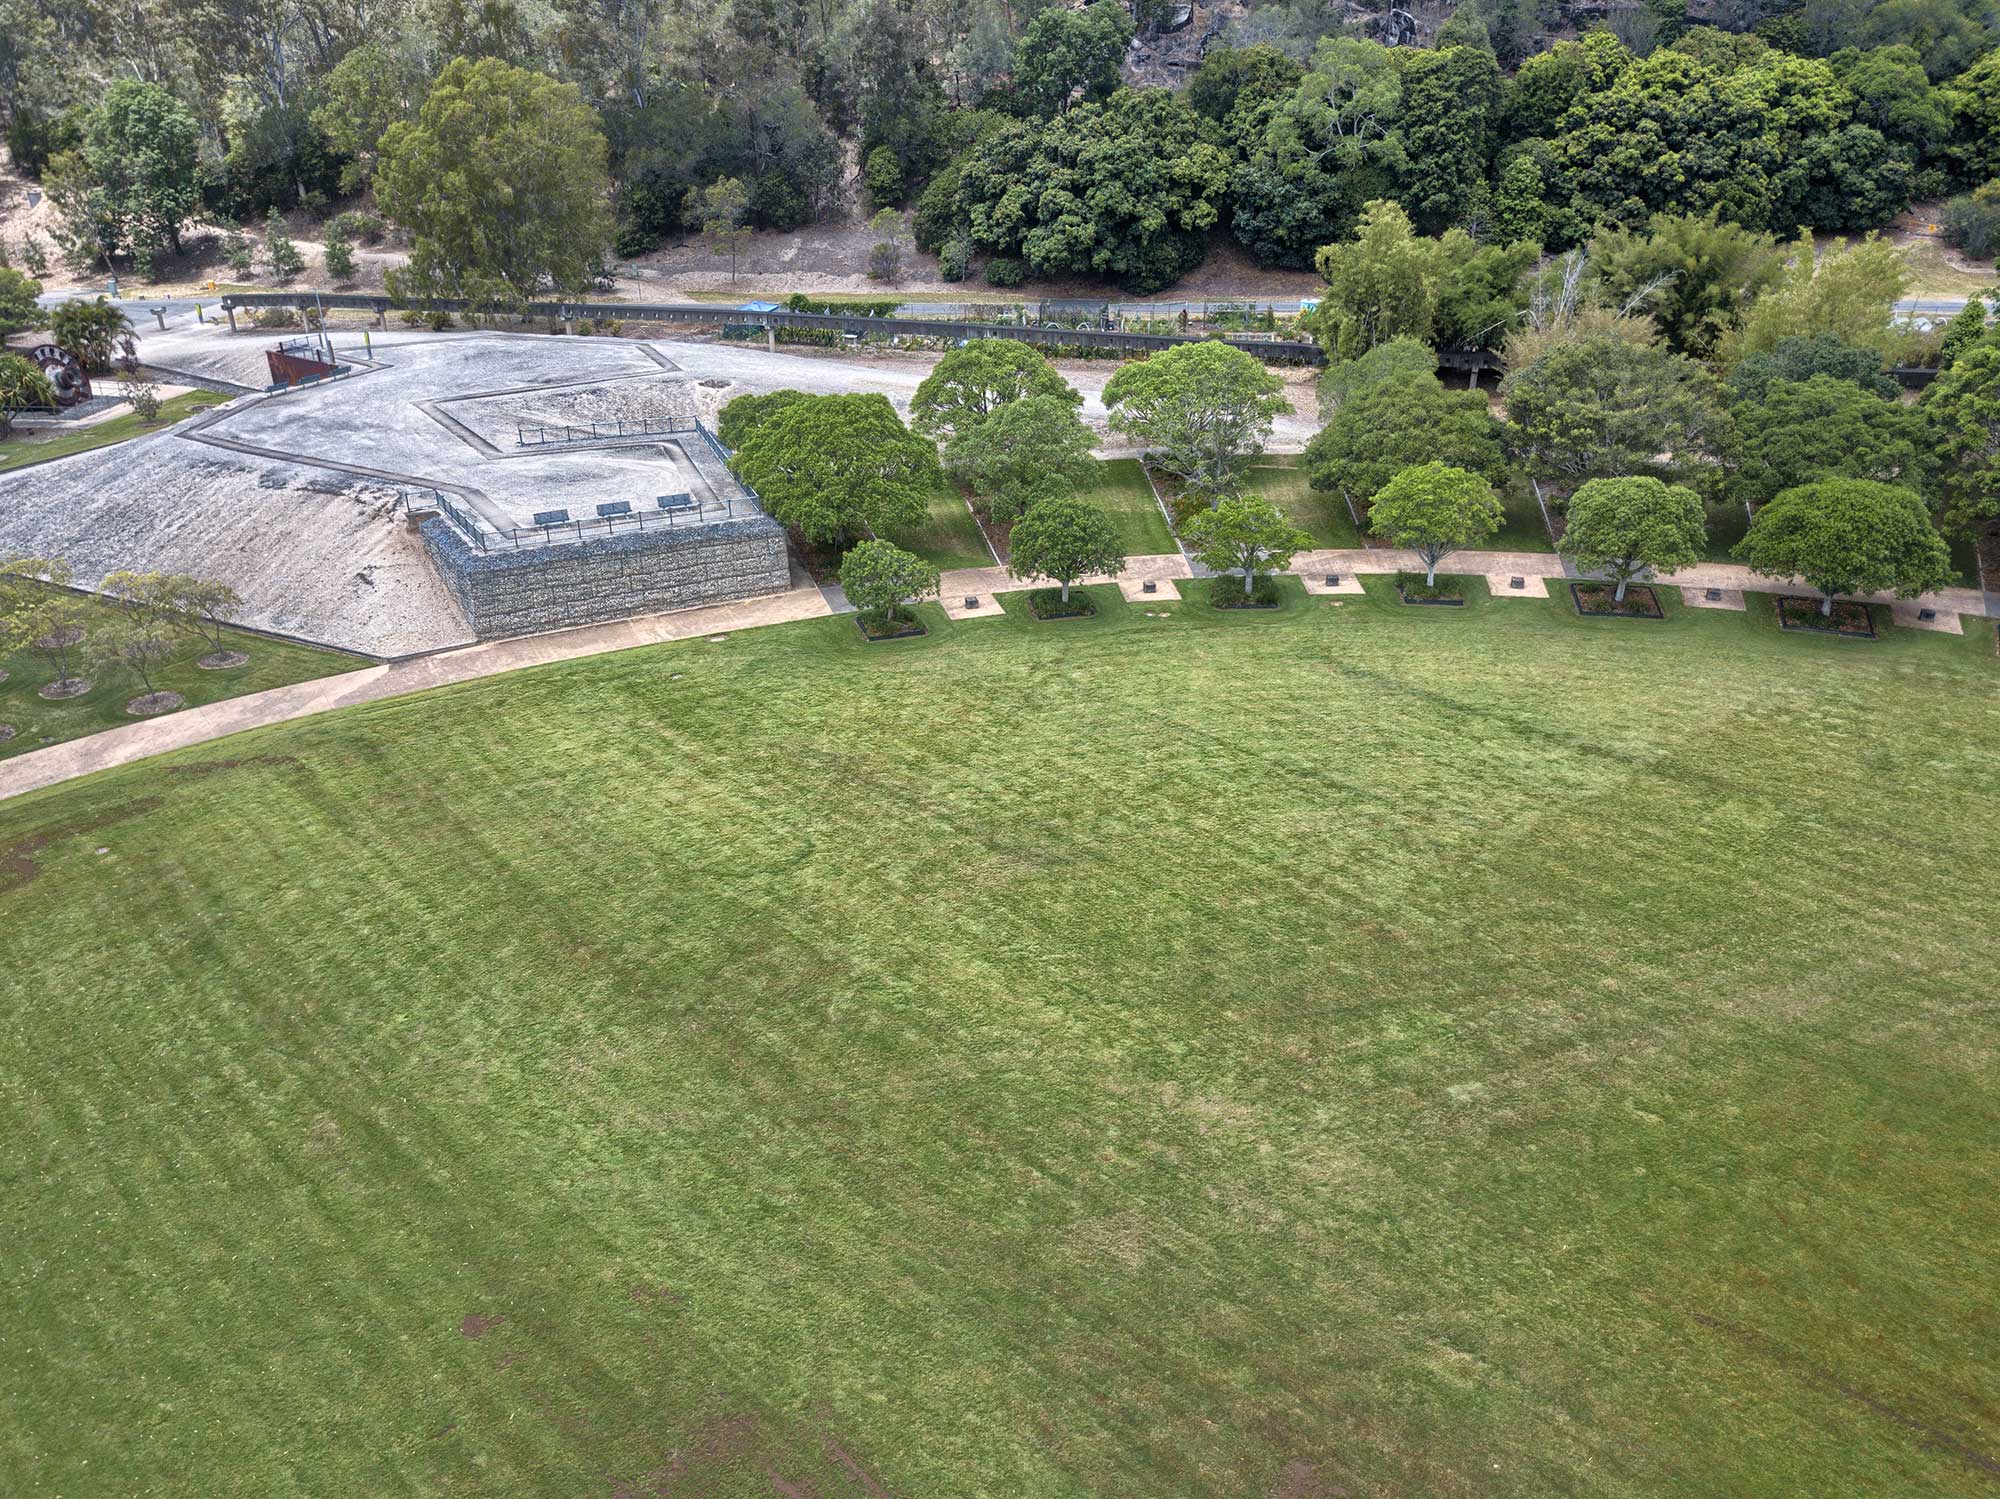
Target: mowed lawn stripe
x,y
1481,1054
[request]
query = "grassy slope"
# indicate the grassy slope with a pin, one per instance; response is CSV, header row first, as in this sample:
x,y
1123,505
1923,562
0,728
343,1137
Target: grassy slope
x,y
1422,1052
951,539
272,663
23,449
1128,498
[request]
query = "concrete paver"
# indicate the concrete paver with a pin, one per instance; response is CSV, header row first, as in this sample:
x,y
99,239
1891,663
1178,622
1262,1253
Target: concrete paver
x,y
1533,586
1725,598
1908,614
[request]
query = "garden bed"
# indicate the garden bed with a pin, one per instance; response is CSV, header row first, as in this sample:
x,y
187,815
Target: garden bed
x,y
1850,621
1599,599
1226,592
1446,592
1048,603
894,625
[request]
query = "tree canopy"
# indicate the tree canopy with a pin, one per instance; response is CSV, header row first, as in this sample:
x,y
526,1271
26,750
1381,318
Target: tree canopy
x,y
1072,52
1201,410
969,384
1962,410
1064,538
1029,450
1600,407
501,181
835,466
1634,525
1434,510
1392,424
1848,536
1246,532
1826,428
879,576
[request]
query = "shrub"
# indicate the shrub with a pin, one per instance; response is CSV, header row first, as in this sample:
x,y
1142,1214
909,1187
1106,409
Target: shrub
x,y
236,250
353,224
143,395
955,259
1972,221
93,331
882,177
1048,603
275,317
34,257
339,256
281,256
1004,270
1226,592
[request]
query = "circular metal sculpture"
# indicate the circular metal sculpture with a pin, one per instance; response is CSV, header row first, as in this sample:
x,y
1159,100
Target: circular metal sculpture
x,y
63,372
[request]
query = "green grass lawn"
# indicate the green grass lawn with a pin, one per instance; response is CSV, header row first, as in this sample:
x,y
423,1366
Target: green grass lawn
x,y
1523,530
23,449
951,538
38,722
1281,479
1346,1049
1128,498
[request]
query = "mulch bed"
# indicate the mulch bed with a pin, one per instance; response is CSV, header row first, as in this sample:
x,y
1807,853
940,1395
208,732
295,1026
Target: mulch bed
x,y
893,628
57,692
1597,599
1849,621
222,660
1047,603
1446,592
146,705
1226,592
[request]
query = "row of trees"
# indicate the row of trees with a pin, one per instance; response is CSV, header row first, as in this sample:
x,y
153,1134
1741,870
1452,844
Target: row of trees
x,y
151,617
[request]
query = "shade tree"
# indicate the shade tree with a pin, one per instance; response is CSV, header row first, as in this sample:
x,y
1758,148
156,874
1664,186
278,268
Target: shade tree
x,y
742,415
1696,275
40,613
1067,55
501,180
1634,525
837,467
1202,411
1826,428
969,384
879,577
1392,424
1435,510
1848,536
1027,451
1064,539
1962,411
1799,358
1245,532
1601,407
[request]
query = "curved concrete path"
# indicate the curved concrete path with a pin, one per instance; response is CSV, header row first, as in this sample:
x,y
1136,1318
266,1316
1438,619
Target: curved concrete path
x,y
137,741
154,736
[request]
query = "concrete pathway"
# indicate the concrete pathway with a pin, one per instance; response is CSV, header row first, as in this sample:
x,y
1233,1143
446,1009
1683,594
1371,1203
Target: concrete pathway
x,y
137,741
154,736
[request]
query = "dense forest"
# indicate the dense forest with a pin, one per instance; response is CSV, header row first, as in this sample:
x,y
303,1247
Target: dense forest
x,y
1009,134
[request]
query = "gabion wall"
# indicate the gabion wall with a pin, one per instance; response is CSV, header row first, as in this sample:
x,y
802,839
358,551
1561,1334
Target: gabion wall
x,y
615,577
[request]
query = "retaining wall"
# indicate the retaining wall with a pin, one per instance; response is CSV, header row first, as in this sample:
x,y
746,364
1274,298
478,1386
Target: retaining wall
x,y
584,583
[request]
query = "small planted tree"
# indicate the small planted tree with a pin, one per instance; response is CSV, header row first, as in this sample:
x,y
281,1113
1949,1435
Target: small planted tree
x,y
40,614
203,608
879,577
142,393
1202,411
1434,510
1248,533
1848,536
339,255
140,643
885,258
1064,539
1634,525
720,209
281,255
1030,450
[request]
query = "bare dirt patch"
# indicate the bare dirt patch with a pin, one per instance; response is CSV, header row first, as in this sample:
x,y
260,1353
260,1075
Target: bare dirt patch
x,y
222,660
68,687
476,1326
17,859
1301,1480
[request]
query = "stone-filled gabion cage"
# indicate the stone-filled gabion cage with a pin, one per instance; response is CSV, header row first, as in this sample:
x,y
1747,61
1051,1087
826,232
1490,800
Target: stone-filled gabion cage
x,y
609,577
